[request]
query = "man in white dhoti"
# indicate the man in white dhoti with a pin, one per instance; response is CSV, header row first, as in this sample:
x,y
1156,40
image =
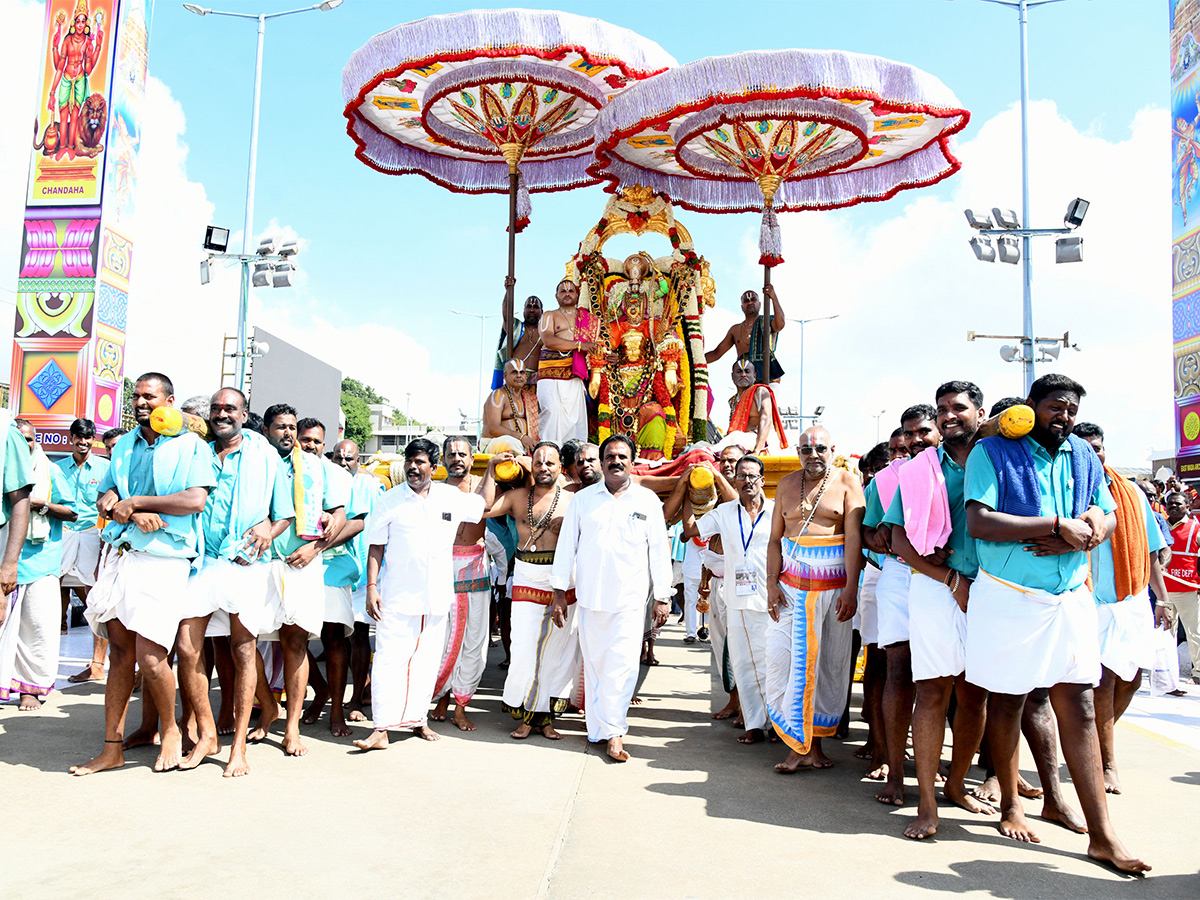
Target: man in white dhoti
x,y
467,628
1036,506
543,657
744,528
29,636
1123,569
568,334
932,485
412,529
81,472
813,565
614,540
250,505
152,495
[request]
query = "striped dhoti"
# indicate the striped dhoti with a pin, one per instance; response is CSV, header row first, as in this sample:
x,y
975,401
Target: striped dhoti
x,y
808,649
465,655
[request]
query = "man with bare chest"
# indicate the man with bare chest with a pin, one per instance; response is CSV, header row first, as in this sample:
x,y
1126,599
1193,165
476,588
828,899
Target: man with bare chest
x,y
813,563
564,332
544,658
746,336
465,656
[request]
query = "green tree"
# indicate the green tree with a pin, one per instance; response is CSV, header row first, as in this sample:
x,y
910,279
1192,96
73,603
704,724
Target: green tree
x,y
358,419
363,392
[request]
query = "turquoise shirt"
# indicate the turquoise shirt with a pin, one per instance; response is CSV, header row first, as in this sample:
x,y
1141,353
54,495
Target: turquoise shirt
x,y
964,557
83,484
872,491
218,543
347,565
141,484
1009,560
45,558
337,495
1104,577
18,468
874,512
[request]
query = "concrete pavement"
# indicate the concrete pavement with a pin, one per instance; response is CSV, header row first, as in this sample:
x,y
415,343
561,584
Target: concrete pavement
x,y
693,814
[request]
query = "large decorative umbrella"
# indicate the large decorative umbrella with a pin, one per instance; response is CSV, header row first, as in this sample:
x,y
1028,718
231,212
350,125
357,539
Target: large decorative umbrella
x,y
780,130
492,101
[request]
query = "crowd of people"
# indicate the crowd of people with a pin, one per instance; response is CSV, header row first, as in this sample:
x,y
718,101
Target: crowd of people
x,y
1001,584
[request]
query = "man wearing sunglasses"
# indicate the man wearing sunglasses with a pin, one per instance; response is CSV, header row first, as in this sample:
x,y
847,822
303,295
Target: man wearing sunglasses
x,y
813,563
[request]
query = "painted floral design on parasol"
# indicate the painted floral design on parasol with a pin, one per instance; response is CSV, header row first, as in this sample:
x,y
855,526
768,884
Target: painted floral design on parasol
x,y
780,130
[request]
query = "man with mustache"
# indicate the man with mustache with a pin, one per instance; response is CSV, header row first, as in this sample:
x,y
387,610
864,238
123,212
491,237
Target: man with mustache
x,y
1036,506
413,528
565,333
614,538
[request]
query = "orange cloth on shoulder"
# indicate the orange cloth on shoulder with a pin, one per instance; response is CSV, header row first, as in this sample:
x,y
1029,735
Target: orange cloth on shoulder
x,y
1131,550
741,413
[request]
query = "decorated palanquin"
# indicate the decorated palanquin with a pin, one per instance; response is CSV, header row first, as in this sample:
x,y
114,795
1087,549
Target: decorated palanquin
x,y
649,379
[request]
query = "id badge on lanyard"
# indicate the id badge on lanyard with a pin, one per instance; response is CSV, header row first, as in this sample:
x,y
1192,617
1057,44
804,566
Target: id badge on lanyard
x,y
746,576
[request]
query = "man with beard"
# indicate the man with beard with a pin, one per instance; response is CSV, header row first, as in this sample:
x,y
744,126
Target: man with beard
x,y
754,413
1036,506
565,332
544,658
527,343
467,632
813,564
937,601
614,539
296,589
413,528
919,433
587,468
152,495
746,335
250,505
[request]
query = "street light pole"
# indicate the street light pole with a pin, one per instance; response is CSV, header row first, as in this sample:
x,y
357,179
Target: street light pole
x,y
802,323
482,317
248,225
878,416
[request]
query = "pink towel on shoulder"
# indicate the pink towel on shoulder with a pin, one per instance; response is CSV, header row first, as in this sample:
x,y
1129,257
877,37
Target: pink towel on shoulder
x,y
887,481
926,503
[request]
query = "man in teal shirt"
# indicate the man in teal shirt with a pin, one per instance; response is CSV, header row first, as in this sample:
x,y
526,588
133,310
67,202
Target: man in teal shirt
x,y
1036,506
152,495
82,472
28,639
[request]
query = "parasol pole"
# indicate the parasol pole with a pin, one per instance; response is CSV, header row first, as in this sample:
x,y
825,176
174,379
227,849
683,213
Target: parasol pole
x,y
769,184
512,155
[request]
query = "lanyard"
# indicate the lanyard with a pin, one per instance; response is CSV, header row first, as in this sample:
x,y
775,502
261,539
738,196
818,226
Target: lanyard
x,y
745,540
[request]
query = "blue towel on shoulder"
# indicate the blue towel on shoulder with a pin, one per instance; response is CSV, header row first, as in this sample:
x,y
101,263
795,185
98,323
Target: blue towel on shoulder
x,y
1016,477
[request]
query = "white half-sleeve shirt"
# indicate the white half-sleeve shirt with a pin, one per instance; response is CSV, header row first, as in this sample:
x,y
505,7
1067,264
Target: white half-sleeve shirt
x,y
417,536
744,544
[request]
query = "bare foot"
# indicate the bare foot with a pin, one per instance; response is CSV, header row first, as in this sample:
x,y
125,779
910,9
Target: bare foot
x,y
616,747
959,794
523,731
1112,783
924,825
879,773
237,764
989,791
315,708
140,738
1116,856
266,718
355,714
550,734
426,733
1064,815
92,672
649,659
461,720
293,746
170,751
752,736
1013,825
377,741
730,709
337,725
635,700
29,703
793,762
439,711
738,721
203,748
1027,790
864,752
225,725
110,757
892,793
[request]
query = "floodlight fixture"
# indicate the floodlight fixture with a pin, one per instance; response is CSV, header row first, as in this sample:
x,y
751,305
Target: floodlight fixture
x,y
1011,353
198,10
984,251
266,246
204,271
289,248
281,275
1068,250
975,220
327,5
1010,249
1006,218
1076,210
261,276
216,239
